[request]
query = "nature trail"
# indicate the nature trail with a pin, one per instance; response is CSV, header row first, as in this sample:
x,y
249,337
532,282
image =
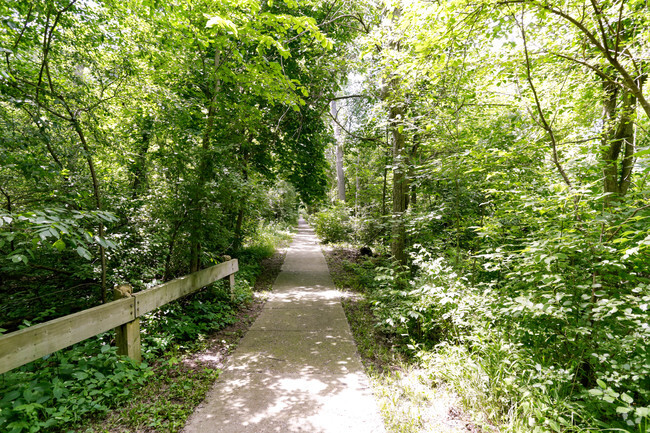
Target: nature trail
x,y
297,368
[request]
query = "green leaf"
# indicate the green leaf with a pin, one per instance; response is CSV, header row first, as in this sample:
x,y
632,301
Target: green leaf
x,y
80,375
57,392
84,253
59,245
626,398
223,23
10,396
641,153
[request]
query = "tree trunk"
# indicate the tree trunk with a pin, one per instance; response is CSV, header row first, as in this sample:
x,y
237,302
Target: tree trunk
x,y
98,202
396,112
8,198
400,185
385,177
340,174
204,169
170,251
413,160
139,167
195,251
383,191
618,143
10,210
240,216
238,228
357,184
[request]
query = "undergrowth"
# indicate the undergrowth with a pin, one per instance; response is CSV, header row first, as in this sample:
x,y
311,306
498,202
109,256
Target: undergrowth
x,y
69,388
436,322
409,398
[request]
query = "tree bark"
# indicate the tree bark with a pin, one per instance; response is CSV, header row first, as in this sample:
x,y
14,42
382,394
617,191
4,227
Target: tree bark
x,y
10,210
98,202
240,215
170,251
139,167
400,185
396,112
383,190
412,196
204,169
340,174
618,143
385,177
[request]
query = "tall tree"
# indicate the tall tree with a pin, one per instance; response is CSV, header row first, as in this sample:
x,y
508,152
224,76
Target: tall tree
x,y
392,95
340,174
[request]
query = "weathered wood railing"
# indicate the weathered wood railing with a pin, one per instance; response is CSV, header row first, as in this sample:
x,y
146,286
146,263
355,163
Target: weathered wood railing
x,y
20,347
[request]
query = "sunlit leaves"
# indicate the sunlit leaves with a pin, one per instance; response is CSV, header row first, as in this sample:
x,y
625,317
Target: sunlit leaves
x,y
55,228
223,24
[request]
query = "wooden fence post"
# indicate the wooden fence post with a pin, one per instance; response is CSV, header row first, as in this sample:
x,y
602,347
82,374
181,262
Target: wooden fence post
x,y
232,286
127,336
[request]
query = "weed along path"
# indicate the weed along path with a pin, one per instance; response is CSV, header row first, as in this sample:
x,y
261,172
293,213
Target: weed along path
x,y
297,368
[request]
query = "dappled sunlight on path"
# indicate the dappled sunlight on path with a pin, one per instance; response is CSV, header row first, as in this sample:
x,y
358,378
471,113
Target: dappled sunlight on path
x,y
297,369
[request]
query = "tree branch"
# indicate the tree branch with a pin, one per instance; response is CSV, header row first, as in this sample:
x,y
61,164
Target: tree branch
x,y
352,134
599,72
628,81
599,20
48,268
618,28
592,38
626,220
338,98
46,139
538,105
20,37
366,28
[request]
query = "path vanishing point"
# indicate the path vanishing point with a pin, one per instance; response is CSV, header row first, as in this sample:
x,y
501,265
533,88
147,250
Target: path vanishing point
x,y
297,369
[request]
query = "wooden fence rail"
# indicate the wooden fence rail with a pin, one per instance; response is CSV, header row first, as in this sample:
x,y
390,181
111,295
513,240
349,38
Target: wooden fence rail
x,y
20,347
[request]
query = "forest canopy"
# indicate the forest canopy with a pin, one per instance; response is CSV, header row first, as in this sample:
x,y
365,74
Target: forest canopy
x,y
149,137
497,152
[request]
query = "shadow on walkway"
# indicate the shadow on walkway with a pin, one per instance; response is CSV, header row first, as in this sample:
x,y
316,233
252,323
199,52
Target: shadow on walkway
x,y
297,369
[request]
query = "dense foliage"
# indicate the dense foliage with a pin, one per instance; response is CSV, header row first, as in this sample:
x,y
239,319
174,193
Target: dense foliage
x,y
495,151
498,151
89,380
142,140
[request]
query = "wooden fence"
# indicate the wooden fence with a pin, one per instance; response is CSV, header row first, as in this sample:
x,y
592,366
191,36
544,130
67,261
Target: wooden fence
x,y
20,347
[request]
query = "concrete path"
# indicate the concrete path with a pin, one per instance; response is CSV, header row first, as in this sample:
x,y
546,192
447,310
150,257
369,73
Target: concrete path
x,y
297,368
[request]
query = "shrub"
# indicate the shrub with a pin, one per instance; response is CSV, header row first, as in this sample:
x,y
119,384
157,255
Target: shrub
x,y
333,224
282,203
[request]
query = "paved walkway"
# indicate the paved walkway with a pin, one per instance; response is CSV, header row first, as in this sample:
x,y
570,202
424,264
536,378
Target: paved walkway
x,y
297,368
